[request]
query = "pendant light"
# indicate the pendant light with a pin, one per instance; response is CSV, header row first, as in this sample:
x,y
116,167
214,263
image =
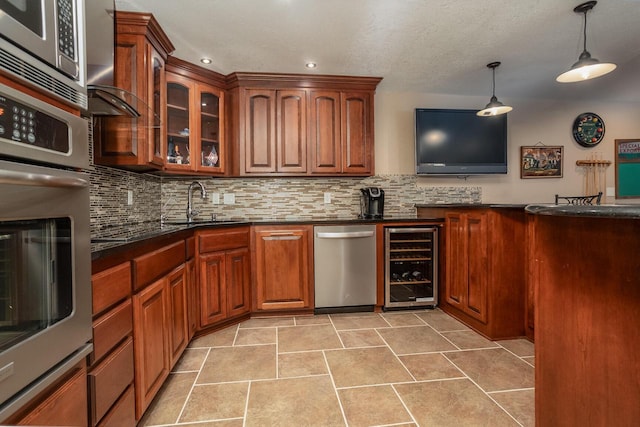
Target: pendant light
x,y
494,107
587,67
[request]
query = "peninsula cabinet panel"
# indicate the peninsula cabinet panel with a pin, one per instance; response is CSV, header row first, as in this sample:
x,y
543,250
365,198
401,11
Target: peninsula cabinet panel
x,y
283,270
484,285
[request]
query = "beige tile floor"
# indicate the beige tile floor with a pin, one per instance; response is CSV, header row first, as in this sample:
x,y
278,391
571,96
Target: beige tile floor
x,y
418,368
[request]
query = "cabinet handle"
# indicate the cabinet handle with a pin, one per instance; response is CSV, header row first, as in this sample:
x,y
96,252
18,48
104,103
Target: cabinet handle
x,y
282,237
345,235
43,180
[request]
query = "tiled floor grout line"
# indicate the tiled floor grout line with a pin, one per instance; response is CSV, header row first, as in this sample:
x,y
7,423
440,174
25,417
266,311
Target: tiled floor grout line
x,y
330,320
485,392
195,381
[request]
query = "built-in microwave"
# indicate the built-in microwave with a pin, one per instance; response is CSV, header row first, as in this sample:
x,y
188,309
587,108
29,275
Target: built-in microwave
x,y
42,43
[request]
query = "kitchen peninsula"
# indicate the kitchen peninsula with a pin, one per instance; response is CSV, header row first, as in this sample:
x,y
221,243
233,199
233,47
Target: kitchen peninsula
x,y
585,268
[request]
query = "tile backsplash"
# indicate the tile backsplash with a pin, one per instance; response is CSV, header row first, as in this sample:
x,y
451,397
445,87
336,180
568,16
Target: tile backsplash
x,y
253,198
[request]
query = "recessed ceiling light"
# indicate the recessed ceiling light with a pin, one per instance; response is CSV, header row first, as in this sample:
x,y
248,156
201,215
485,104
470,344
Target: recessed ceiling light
x,y
206,60
311,65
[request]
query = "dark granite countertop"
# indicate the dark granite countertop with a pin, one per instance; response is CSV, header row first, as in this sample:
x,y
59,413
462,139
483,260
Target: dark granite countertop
x,y
474,205
596,211
126,235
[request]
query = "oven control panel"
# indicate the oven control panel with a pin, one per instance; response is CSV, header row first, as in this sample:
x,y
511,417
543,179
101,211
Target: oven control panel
x,y
21,124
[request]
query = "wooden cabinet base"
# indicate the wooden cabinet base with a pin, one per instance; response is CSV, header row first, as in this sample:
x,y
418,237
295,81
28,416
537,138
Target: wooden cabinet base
x,y
586,319
66,405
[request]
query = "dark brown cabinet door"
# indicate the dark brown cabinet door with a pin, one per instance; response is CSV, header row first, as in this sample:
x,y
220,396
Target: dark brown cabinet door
x,y
212,288
150,338
238,282
193,297
178,320
291,136
324,132
283,268
357,132
260,131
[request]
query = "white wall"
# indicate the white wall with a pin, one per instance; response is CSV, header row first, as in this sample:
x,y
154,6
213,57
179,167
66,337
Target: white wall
x,y
530,122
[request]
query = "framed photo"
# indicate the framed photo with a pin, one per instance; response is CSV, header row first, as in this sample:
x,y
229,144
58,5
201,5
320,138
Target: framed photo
x,y
541,161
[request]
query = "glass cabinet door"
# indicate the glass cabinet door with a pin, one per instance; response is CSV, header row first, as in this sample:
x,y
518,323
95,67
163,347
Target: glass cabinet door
x,y
157,107
178,125
210,138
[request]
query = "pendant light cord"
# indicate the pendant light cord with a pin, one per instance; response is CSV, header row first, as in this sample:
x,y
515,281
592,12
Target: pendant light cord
x,y
494,82
584,32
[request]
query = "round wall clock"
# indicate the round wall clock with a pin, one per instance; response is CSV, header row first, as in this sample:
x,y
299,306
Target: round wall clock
x,y
588,129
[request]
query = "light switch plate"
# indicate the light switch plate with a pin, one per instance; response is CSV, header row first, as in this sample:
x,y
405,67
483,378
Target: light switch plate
x,y
327,198
229,199
611,191
129,197
215,198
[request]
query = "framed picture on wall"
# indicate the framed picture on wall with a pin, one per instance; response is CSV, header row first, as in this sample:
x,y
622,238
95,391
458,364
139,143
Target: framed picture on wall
x,y
541,161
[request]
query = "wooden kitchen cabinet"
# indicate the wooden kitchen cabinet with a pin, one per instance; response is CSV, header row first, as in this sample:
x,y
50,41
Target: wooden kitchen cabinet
x,y
275,131
141,50
160,321
224,275
283,268
341,132
195,120
111,368
64,403
467,268
484,281
301,125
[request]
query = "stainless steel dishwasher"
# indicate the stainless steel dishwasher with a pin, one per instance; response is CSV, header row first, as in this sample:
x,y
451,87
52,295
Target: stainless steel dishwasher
x,y
345,267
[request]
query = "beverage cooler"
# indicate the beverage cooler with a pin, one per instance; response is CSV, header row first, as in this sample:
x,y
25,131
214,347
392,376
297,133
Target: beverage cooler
x,y
411,267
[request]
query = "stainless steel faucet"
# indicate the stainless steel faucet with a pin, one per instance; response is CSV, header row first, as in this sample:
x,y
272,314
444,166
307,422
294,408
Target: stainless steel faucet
x,y
191,213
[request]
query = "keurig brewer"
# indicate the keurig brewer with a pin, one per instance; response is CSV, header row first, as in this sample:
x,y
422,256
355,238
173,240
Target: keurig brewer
x,y
371,202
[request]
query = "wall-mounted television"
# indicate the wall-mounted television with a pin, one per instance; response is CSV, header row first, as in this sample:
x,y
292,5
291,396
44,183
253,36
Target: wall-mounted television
x,y
458,142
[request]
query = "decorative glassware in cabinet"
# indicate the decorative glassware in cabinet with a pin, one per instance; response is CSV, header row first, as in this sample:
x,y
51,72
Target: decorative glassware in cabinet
x,y
210,130
178,148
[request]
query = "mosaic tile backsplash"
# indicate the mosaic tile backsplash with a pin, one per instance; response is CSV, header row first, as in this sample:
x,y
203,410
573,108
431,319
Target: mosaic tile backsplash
x,y
254,198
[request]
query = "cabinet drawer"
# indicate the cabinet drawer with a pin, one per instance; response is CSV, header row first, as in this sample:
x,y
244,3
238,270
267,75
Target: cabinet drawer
x,y
223,240
151,266
111,328
123,413
110,286
109,379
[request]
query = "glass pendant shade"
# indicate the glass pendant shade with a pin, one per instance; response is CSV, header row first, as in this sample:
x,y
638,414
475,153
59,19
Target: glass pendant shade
x,y
587,67
494,107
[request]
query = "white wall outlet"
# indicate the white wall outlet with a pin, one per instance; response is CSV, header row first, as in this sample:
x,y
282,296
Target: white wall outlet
x,y
215,198
229,199
327,198
129,197
611,192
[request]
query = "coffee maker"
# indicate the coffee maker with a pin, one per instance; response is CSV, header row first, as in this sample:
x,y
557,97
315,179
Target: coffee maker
x,y
371,202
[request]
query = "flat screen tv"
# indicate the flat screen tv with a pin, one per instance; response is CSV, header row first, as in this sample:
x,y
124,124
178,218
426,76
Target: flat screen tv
x,y
458,142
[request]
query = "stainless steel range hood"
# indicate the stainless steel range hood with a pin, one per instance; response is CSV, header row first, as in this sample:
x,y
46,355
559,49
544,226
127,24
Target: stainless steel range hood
x,y
104,98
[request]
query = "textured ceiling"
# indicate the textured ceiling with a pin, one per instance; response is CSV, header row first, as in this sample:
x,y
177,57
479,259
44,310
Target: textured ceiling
x,y
433,46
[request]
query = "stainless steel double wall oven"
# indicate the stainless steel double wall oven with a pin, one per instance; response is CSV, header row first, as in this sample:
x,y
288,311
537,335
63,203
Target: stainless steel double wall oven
x,y
45,261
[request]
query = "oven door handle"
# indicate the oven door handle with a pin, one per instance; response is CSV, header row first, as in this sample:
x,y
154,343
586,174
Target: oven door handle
x,y
40,179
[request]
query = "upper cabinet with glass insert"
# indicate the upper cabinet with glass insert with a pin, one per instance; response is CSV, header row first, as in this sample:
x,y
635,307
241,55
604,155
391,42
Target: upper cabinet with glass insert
x,y
195,120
